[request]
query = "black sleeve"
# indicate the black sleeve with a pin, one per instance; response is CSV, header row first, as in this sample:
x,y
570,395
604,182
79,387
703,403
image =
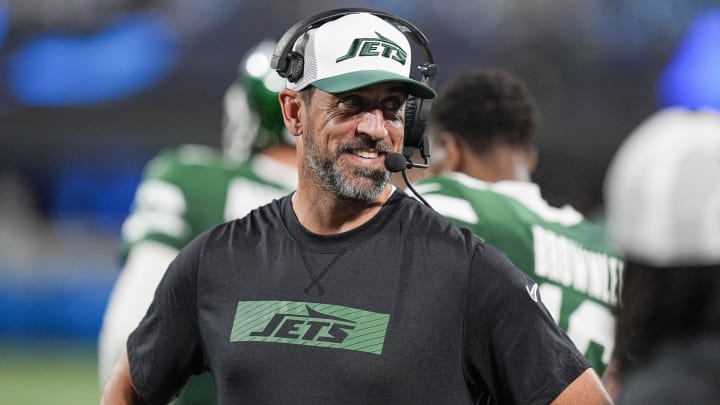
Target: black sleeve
x,y
513,348
164,350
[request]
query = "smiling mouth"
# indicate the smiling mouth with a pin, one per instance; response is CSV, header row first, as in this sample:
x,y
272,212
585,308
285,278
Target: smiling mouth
x,y
365,153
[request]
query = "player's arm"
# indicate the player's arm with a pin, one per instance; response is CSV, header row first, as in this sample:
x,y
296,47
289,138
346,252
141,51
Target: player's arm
x,y
120,390
611,377
152,234
586,389
131,296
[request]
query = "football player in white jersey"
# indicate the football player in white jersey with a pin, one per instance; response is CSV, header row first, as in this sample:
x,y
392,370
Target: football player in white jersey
x,y
188,189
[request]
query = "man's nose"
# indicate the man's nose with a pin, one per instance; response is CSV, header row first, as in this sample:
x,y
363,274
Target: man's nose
x,y
372,124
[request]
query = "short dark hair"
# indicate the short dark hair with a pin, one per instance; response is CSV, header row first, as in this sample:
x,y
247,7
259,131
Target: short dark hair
x,y
661,305
487,107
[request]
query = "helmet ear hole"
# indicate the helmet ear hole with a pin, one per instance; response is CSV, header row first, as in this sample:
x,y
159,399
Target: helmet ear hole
x,y
252,115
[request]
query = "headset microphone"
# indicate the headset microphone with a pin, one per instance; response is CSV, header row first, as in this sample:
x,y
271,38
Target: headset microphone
x,y
397,162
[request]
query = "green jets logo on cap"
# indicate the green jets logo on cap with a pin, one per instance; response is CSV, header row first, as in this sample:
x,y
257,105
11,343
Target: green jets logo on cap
x,y
375,47
310,324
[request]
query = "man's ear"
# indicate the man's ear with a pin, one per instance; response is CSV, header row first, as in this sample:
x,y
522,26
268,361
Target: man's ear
x,y
291,104
532,160
454,153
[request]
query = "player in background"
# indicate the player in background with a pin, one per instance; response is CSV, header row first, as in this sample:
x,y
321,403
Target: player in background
x,y
188,189
662,200
482,130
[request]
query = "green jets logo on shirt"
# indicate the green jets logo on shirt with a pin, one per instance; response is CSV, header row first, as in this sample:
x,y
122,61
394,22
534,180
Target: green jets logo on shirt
x,y
380,46
310,324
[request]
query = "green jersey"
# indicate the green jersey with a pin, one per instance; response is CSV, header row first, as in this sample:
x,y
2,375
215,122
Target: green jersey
x,y
188,190
577,270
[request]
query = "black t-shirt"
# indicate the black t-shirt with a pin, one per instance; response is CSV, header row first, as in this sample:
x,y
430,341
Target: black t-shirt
x,y
407,308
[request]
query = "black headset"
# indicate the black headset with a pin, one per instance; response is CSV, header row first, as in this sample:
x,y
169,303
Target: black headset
x,y
289,64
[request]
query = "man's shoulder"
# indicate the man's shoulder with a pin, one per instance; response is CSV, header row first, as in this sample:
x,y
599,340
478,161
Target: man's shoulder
x,y
264,216
184,158
425,220
193,169
469,201
258,223
462,186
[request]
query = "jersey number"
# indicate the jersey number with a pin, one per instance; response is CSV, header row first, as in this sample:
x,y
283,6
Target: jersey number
x,y
589,322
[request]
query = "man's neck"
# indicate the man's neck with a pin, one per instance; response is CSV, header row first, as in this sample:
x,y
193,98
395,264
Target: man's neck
x,y
282,153
322,212
504,163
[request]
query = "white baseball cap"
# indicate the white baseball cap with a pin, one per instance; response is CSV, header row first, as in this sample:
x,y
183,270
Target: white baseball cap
x,y
354,51
662,190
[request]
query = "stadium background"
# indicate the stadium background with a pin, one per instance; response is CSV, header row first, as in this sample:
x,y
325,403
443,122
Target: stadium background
x,y
90,89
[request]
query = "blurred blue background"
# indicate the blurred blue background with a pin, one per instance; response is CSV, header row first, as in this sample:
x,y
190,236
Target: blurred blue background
x,y
90,89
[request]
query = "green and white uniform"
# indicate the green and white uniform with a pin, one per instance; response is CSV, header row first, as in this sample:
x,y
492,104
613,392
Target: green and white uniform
x,y
188,190
577,270
184,192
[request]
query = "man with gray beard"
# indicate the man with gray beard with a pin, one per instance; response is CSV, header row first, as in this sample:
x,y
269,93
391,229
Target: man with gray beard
x,y
348,291
331,175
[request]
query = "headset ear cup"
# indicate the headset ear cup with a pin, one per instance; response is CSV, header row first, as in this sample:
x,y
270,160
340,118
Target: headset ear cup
x,y
296,64
413,128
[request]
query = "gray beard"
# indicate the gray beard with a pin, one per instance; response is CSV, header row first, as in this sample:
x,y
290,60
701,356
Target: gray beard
x,y
363,185
348,187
